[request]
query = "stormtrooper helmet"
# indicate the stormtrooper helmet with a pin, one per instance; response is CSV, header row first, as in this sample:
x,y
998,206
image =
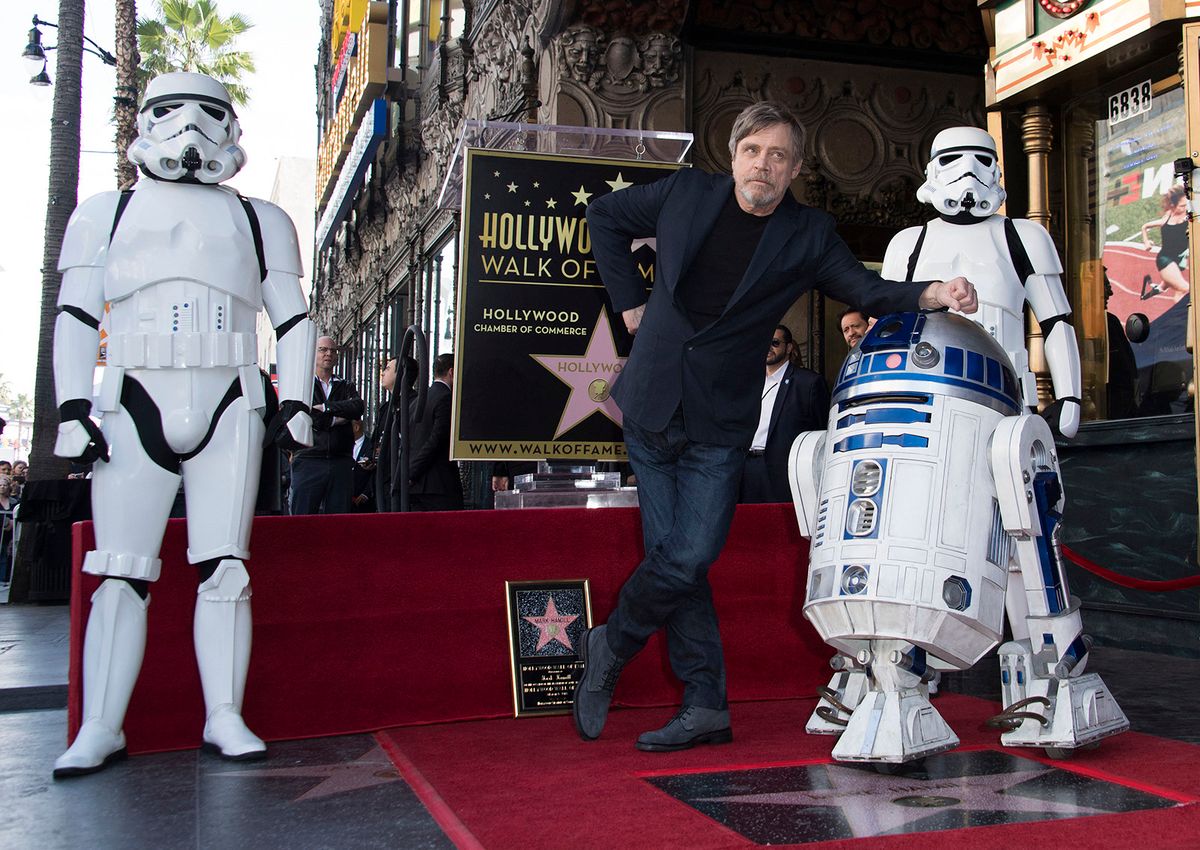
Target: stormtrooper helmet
x,y
187,130
962,180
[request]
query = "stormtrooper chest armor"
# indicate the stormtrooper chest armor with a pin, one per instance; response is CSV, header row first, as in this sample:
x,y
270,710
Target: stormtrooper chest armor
x,y
182,279
979,252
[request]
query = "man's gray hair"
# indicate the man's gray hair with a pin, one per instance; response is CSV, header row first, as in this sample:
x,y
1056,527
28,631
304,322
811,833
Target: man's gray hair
x,y
760,116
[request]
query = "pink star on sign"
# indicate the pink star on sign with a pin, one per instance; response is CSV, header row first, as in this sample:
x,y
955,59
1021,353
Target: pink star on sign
x,y
589,376
552,626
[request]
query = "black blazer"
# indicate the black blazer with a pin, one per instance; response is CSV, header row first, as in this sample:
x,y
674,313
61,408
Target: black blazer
x,y
801,404
430,469
343,402
715,373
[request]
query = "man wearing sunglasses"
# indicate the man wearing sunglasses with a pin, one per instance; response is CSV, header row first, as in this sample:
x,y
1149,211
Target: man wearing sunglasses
x,y
794,399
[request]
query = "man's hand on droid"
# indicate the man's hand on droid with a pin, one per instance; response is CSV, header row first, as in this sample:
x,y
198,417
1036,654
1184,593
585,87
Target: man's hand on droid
x,y
291,428
633,318
79,438
956,294
1063,417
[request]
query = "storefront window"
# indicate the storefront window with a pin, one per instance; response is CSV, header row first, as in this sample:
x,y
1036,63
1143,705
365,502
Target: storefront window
x,y
442,291
1128,269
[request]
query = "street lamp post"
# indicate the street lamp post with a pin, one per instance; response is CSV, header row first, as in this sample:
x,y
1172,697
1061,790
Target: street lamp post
x,y
35,54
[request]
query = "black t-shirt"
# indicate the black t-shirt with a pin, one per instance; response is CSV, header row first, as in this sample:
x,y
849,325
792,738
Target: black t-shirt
x,y
721,263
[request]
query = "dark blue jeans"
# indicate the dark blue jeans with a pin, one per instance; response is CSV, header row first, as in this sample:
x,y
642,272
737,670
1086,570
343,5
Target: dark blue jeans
x,y
687,492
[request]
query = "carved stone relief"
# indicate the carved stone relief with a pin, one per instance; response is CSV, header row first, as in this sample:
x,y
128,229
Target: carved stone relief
x,y
868,129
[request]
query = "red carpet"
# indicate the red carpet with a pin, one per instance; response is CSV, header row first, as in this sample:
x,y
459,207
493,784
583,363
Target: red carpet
x,y
532,783
367,622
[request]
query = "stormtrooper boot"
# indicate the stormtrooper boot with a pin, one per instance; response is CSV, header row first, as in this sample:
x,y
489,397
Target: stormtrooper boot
x,y
222,634
112,656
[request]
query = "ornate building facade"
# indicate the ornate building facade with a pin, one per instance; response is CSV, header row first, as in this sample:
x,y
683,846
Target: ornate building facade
x,y
873,81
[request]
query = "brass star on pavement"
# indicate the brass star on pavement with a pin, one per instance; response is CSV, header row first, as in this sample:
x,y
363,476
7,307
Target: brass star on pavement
x,y
581,197
370,769
618,184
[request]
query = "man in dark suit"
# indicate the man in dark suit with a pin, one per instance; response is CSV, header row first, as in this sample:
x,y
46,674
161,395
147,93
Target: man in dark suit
x,y
732,256
794,399
434,484
323,475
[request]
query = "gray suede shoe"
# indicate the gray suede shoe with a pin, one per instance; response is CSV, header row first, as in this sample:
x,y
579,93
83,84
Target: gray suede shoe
x,y
692,725
594,692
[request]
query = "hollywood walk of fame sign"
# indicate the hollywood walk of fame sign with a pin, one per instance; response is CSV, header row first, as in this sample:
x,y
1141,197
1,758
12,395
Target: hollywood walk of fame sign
x,y
538,344
545,622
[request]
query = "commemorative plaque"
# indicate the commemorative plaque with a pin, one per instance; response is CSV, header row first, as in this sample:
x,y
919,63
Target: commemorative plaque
x,y
546,620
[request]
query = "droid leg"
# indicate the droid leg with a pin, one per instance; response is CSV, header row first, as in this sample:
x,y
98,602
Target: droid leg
x,y
1048,699
220,484
131,498
804,477
894,722
839,698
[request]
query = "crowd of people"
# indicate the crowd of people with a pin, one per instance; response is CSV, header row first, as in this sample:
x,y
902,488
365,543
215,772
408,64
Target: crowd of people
x,y
13,476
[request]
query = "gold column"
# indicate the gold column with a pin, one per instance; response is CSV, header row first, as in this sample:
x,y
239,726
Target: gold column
x,y
1036,139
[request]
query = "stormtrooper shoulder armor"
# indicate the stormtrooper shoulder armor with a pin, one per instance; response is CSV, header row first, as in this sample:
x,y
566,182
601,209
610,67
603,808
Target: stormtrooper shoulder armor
x,y
899,250
89,231
281,246
1038,246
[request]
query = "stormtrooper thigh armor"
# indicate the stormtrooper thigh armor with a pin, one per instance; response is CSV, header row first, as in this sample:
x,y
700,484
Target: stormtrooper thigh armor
x,y
133,494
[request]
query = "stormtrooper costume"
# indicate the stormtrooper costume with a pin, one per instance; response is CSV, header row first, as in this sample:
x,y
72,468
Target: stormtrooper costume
x,y
927,415
184,265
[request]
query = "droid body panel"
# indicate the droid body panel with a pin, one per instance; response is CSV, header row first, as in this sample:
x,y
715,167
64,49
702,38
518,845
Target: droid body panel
x,y
932,504
906,501
184,266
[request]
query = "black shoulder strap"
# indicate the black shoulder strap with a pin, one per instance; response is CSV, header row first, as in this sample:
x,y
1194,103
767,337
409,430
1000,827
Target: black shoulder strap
x,y
256,232
122,203
1021,262
916,254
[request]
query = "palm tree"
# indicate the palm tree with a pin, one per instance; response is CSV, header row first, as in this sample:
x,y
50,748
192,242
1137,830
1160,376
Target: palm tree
x,y
125,108
191,35
62,197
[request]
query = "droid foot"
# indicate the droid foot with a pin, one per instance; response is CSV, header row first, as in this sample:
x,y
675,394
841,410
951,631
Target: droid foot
x,y
95,748
894,727
226,735
838,701
1062,714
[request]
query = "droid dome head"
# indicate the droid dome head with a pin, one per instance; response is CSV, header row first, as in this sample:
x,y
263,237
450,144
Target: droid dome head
x,y
962,180
187,130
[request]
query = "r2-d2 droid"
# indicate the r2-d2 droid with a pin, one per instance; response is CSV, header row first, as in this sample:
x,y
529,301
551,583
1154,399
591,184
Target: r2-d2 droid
x,y
185,266
932,503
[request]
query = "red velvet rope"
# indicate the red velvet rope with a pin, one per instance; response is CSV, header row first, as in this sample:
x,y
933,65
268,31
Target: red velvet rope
x,y
1125,581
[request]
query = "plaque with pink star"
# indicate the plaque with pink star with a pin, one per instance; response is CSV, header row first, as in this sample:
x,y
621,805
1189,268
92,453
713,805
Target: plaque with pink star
x,y
545,622
538,346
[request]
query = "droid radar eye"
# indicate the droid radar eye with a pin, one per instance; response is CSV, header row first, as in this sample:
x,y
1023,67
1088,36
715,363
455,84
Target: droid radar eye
x,y
891,329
